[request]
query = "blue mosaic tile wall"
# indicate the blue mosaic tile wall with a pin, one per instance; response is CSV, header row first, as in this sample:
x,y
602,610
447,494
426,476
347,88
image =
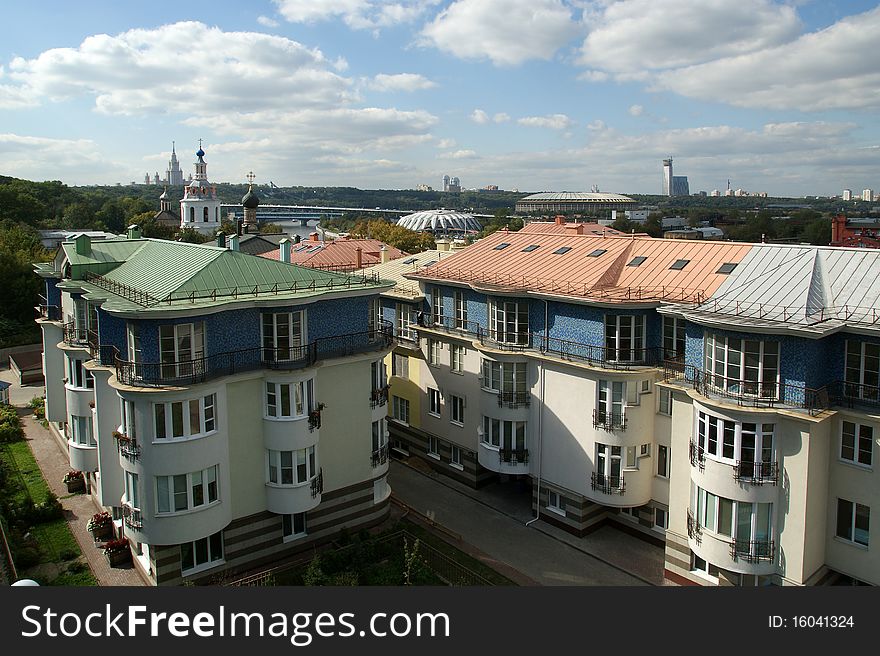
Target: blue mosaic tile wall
x,y
694,345
53,294
476,307
339,316
576,323
111,330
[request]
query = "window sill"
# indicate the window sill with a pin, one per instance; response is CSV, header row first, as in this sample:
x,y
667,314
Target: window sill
x,y
202,568
293,538
292,418
457,466
188,511
457,372
856,465
435,456
184,438
399,421
857,545
434,414
556,511
287,486
460,424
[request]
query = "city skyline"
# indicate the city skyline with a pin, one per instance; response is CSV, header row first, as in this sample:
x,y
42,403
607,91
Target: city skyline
x,y
549,95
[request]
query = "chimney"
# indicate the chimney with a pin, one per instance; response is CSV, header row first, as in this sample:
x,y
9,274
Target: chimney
x,y
838,227
574,229
240,227
442,244
134,231
284,250
221,239
313,236
83,244
360,257
560,220
384,255
233,242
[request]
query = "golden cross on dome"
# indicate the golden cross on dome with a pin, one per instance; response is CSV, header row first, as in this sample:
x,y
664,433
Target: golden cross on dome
x,y
250,176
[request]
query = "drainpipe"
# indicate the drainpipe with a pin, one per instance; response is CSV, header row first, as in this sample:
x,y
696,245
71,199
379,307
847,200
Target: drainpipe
x,y
541,419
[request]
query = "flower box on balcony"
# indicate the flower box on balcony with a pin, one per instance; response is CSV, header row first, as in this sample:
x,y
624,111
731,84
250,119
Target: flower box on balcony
x,y
75,481
117,552
101,526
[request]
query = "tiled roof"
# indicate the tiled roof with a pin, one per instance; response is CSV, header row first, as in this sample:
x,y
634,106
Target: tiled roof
x,y
395,270
338,255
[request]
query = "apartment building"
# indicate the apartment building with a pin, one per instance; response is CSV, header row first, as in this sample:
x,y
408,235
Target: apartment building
x,y
718,398
220,404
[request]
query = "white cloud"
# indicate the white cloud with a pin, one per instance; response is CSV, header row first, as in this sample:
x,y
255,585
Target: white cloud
x,y
594,76
356,14
824,70
596,125
632,36
636,110
506,32
501,117
479,116
463,154
401,82
446,143
265,21
553,121
39,158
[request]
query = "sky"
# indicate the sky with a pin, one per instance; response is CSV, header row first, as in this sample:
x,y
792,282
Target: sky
x,y
533,95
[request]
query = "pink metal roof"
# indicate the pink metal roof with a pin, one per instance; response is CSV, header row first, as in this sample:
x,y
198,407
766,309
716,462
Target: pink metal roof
x,y
556,228
337,255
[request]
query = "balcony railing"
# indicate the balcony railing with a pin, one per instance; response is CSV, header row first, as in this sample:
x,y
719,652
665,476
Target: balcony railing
x,y
315,419
132,517
607,484
756,473
747,393
318,483
695,531
609,421
514,399
128,446
379,456
752,551
379,396
697,455
74,335
855,394
199,370
49,312
513,456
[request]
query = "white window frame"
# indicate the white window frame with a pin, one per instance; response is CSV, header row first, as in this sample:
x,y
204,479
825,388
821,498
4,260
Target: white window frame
x,y
273,399
133,344
612,400
609,461
859,444
555,502
490,432
673,337
400,409
282,340
400,365
707,508
620,348
183,359
438,310
205,414
461,314
456,412
504,434
662,525
434,402
853,537
132,491
433,448
455,457
378,435
729,432
726,366
866,380
214,549
202,477
275,462
504,377
664,399
78,377
289,526
402,312
82,430
662,470
434,348
509,321
456,358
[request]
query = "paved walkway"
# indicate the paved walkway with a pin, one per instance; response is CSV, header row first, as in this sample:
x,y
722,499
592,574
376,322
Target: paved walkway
x,y
541,552
78,508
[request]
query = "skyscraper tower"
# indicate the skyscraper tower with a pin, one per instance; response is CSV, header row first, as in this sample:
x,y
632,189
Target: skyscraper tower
x,y
667,177
173,176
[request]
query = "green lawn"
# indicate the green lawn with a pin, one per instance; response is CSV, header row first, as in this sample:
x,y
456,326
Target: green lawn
x,y
29,481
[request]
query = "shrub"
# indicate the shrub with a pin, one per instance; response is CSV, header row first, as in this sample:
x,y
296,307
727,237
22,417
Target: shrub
x,y
68,554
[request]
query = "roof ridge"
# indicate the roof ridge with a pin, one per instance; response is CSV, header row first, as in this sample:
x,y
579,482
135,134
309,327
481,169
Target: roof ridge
x,y
611,276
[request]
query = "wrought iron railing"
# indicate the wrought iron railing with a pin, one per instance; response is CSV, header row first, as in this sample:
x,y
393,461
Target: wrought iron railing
x,y
314,419
609,421
756,473
132,517
695,531
49,312
849,394
747,393
379,456
379,396
696,455
752,551
514,399
607,484
74,335
513,456
128,446
317,485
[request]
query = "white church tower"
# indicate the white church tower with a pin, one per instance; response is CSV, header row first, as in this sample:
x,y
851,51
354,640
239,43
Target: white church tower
x,y
200,207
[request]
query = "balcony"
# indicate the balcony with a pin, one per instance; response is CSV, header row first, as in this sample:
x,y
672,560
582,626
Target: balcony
x,y
513,456
514,399
747,393
609,421
379,456
752,551
696,455
209,367
756,473
74,335
49,312
607,484
695,531
317,485
132,517
379,397
851,395
128,446
315,418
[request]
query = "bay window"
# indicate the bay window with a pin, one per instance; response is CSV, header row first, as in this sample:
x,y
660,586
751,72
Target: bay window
x,y
179,492
507,378
748,446
183,419
509,436
78,375
81,430
291,467
743,366
748,525
289,400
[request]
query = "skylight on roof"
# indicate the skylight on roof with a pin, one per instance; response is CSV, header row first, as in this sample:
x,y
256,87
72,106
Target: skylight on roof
x,y
597,252
530,248
727,267
501,246
562,251
314,249
300,249
427,264
637,261
410,260
678,265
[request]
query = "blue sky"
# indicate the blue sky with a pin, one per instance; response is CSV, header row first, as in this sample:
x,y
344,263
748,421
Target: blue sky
x,y
781,97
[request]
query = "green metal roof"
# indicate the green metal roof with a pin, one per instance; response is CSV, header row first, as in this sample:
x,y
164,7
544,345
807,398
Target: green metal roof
x,y
102,251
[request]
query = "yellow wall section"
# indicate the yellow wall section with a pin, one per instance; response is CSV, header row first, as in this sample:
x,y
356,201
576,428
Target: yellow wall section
x,y
246,451
406,389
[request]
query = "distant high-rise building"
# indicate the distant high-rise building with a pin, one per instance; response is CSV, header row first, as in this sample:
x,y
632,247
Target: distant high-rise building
x,y
667,177
445,183
868,194
451,184
715,193
680,186
173,175
847,194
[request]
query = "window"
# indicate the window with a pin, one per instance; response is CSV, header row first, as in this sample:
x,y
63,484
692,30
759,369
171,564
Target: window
x,y
673,337
461,315
402,314
501,246
608,466
610,409
289,400
555,502
437,308
853,521
400,365
562,250
374,314
434,446
293,526
79,376
132,495
661,518
434,401
180,419
81,431
504,377
378,377
645,451
530,248
726,268
205,215
184,491
749,524
509,322
597,252
135,354
625,338
433,352
637,261
856,443
678,265
400,409
283,336
491,432
665,407
631,460
662,461
744,442
201,553
291,467
128,423
456,414
507,435
455,457
743,366
862,370
182,349
456,358
192,214
378,439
